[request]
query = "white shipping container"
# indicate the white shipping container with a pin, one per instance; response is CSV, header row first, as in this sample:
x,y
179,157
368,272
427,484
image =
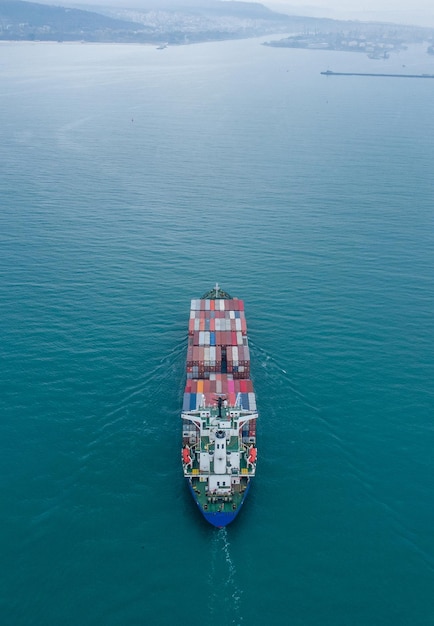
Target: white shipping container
x,y
207,338
252,401
238,324
239,338
207,305
206,356
232,315
212,355
235,354
201,337
197,324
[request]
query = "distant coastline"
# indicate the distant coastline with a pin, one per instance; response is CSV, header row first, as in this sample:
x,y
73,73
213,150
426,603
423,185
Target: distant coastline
x,y
213,20
378,41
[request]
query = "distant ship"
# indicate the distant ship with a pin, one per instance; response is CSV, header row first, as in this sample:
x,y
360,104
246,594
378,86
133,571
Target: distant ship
x,y
219,412
330,73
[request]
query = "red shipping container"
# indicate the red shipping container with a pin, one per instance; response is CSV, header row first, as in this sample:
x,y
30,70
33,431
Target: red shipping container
x,y
240,354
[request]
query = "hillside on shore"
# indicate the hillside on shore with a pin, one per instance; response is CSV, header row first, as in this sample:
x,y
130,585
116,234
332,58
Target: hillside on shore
x,y
209,20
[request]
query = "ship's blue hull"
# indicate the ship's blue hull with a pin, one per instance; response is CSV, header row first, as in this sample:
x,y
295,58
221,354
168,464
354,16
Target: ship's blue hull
x,y
220,519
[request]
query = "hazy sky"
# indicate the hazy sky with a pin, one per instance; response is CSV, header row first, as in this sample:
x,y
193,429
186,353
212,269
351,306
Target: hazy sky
x,y
408,11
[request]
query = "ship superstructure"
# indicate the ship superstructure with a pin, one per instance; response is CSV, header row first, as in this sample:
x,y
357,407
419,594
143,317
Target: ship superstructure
x,y
219,413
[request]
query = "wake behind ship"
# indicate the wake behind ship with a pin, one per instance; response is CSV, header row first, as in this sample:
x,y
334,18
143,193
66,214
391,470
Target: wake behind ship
x,y
219,410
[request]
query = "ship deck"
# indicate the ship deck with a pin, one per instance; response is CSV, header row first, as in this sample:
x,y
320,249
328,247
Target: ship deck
x,y
233,446
210,503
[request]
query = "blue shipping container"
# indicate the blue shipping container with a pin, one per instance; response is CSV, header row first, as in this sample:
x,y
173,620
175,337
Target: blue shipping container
x,y
192,402
245,401
186,403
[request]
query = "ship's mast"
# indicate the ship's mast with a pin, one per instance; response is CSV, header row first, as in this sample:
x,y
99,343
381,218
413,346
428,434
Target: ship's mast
x,y
216,293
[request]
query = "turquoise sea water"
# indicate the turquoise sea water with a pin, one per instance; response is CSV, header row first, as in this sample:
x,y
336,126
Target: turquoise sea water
x,y
131,180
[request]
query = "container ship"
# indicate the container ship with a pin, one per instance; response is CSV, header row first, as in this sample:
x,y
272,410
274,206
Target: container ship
x,y
219,413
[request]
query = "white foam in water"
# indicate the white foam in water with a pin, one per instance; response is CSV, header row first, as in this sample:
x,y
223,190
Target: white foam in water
x,y
222,576
231,580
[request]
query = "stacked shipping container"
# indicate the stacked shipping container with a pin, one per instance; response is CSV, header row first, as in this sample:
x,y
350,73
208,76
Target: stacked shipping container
x,y
218,356
217,339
